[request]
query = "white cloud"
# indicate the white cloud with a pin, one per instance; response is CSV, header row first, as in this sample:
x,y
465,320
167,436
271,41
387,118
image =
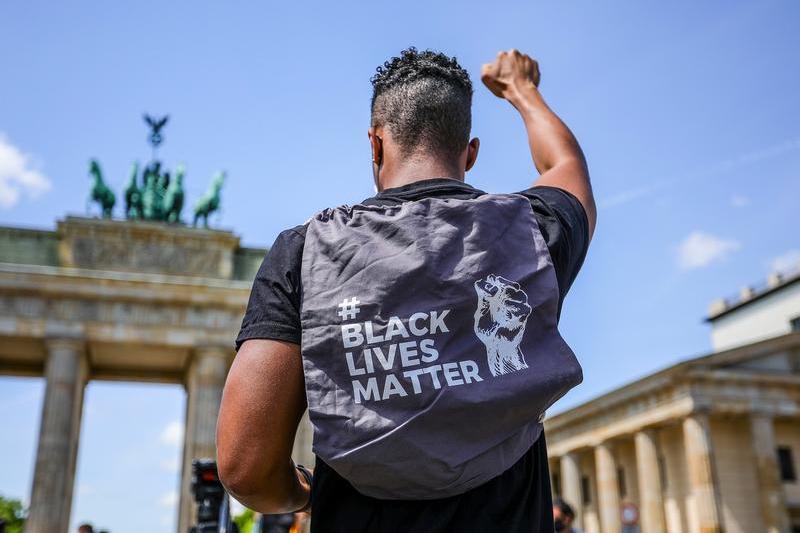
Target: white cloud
x,y
18,174
701,249
738,200
169,499
172,434
787,262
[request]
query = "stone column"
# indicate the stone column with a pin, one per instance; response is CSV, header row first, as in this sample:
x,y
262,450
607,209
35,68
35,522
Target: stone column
x,y
205,379
699,462
66,372
303,440
571,485
651,502
607,489
773,506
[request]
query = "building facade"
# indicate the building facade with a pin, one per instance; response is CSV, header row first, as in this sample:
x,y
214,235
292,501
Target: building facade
x,y
120,300
707,445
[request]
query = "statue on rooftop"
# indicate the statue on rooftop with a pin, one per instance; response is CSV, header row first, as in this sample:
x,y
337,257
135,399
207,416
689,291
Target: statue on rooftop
x,y
100,192
133,195
173,196
154,194
155,129
209,202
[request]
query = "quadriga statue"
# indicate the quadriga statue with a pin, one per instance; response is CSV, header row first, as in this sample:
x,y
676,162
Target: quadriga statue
x,y
173,197
100,192
153,194
133,195
209,202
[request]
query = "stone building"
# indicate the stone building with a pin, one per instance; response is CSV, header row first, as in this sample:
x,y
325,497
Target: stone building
x,y
120,300
708,445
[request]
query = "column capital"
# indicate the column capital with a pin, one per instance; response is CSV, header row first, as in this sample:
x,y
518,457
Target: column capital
x,y
761,414
607,444
572,454
72,343
67,358
650,431
213,350
208,364
702,409
64,330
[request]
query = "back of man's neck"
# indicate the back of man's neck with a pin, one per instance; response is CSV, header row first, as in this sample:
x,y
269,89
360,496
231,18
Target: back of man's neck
x,y
414,172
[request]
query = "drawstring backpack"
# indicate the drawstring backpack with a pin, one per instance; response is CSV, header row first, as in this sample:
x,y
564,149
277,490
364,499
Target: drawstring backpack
x,y
430,343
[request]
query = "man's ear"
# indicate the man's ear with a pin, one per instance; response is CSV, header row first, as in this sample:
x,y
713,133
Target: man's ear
x,y
376,144
472,153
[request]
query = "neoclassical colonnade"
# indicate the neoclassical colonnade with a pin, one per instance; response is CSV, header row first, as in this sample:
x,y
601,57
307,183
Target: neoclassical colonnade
x,y
66,372
697,442
698,450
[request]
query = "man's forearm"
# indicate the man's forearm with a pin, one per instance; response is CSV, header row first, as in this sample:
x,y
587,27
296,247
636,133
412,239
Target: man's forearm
x,y
283,491
550,140
554,149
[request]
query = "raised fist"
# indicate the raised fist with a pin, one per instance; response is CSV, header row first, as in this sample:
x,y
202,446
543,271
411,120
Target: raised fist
x,y
500,320
509,70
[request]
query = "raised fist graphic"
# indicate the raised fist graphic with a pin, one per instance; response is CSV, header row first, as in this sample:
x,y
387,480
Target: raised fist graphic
x,y
500,321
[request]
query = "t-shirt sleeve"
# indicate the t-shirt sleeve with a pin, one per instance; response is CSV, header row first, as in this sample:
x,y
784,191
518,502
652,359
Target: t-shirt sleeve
x,y
565,228
273,311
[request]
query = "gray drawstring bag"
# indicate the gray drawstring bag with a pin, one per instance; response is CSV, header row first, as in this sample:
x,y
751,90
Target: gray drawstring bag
x,y
430,343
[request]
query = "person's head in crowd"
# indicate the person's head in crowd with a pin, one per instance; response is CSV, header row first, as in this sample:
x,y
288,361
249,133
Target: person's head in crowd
x,y
563,515
421,116
85,528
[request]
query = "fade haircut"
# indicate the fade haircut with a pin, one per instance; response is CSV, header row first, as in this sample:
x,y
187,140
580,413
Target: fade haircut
x,y
424,99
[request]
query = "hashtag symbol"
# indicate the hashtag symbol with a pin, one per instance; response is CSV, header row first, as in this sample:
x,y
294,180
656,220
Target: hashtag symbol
x,y
349,308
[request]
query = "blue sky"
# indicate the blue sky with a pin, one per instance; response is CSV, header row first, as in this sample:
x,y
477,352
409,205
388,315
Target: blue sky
x,y
688,114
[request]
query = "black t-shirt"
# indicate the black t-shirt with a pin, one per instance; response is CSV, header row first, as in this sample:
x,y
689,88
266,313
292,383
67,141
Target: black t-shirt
x,y
517,500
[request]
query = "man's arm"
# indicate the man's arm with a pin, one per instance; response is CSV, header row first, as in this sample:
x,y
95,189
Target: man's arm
x,y
558,157
262,404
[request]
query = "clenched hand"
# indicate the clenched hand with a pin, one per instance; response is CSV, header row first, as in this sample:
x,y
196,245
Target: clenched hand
x,y
509,71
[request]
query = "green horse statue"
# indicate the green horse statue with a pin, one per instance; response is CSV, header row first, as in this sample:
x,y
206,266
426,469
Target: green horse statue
x,y
173,197
153,193
209,202
100,192
133,195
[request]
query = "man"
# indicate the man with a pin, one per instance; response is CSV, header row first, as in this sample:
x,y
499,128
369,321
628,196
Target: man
x,y
564,516
421,150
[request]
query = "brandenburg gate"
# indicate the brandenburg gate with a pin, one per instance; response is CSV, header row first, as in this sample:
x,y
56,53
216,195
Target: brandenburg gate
x,y
133,300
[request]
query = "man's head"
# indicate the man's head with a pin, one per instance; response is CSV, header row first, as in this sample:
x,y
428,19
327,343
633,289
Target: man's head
x,y
85,528
563,515
421,115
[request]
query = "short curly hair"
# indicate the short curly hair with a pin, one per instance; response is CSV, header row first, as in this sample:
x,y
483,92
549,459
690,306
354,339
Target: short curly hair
x,y
424,99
